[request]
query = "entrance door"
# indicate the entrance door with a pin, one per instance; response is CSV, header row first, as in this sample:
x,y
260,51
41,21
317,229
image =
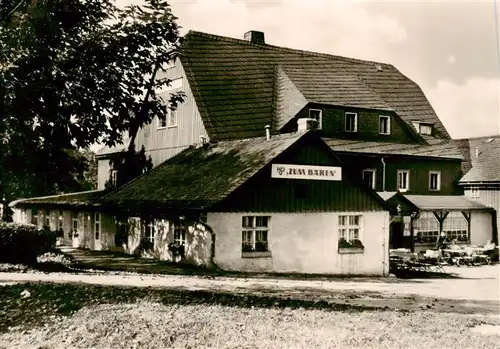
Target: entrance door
x,y
396,239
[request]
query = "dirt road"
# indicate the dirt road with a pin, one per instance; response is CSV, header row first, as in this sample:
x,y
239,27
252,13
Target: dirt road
x,y
478,284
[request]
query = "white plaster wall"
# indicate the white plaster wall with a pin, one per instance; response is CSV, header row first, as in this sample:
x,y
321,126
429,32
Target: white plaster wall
x,y
16,215
134,235
197,248
108,229
303,243
481,227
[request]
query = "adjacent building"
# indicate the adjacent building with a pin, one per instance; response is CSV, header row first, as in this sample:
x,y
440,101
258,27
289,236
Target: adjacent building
x,y
481,180
253,111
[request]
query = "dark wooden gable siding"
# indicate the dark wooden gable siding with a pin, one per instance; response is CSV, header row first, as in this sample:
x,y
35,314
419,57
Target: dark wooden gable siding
x,y
265,194
333,124
419,172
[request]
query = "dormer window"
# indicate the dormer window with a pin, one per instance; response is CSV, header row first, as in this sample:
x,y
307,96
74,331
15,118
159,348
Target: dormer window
x,y
316,114
351,122
425,129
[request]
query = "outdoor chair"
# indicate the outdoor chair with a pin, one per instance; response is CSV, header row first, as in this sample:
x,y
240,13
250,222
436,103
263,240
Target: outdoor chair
x,y
481,259
432,256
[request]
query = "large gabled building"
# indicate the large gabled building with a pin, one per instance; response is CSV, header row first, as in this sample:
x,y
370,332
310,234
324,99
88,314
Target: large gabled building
x,y
235,88
377,123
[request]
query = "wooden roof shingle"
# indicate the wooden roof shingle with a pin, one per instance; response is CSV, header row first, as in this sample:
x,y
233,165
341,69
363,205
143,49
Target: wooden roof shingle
x,y
199,177
444,149
486,167
223,72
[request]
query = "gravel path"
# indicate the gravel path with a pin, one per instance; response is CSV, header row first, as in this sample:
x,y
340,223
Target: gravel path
x,y
478,284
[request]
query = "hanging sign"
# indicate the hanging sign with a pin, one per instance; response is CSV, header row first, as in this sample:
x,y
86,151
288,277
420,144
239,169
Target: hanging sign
x,y
322,173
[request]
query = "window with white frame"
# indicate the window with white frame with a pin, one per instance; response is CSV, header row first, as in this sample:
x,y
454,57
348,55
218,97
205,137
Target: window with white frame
x,y
351,122
97,225
384,125
425,129
114,177
171,118
403,180
162,121
474,192
165,90
254,236
350,227
316,114
180,235
369,177
149,230
455,227
434,180
426,228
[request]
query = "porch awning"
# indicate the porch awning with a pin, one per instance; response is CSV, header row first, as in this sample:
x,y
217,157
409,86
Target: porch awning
x,y
445,202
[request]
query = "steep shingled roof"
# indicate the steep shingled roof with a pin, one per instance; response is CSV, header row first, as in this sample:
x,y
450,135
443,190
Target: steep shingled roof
x,y
486,167
233,84
468,148
445,149
199,177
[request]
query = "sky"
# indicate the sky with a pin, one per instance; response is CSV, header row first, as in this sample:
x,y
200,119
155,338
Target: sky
x,y
449,48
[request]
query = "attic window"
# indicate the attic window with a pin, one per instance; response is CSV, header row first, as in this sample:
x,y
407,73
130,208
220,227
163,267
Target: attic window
x,y
425,129
474,192
351,122
384,125
173,85
316,114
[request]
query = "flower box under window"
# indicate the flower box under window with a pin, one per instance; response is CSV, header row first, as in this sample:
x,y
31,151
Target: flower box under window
x,y
351,246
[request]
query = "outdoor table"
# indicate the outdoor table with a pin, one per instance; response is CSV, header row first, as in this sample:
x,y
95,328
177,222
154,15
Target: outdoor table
x,y
455,255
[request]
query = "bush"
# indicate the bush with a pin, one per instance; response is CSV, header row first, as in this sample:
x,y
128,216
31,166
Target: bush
x,y
22,244
144,246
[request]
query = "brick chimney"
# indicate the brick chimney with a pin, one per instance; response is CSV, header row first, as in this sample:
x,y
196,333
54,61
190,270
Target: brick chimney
x,y
255,37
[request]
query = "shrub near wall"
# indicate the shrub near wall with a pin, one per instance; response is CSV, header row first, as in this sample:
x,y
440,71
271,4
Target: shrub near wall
x,y
21,244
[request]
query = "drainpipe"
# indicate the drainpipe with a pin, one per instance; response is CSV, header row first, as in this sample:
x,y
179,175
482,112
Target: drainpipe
x,y
383,174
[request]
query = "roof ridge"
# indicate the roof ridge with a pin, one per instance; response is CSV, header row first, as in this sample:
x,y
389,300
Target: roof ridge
x,y
479,137
278,136
285,49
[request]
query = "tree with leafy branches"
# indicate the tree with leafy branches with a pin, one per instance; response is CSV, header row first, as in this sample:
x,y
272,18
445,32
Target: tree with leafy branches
x,y
74,73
